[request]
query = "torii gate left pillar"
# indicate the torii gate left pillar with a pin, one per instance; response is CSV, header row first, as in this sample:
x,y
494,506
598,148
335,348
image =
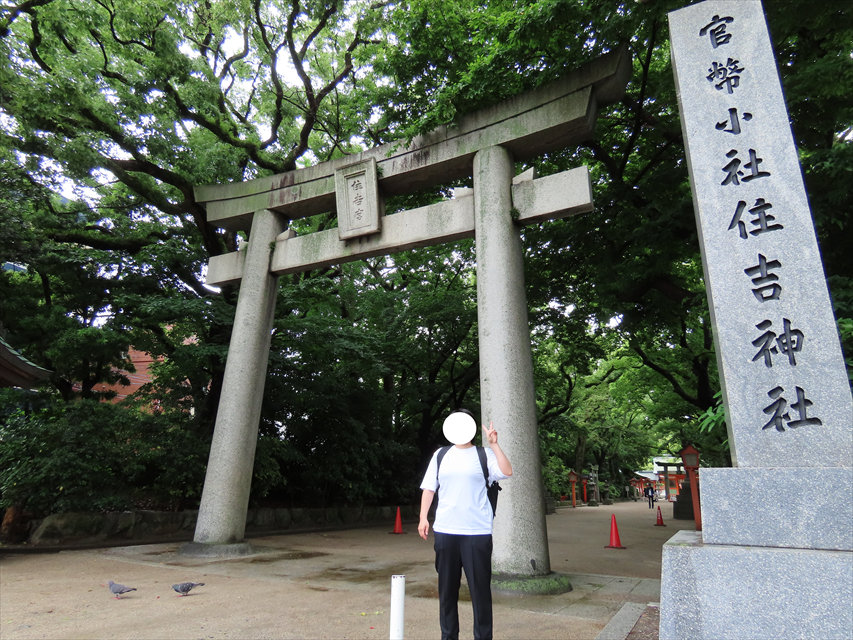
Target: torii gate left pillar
x,y
483,145
225,498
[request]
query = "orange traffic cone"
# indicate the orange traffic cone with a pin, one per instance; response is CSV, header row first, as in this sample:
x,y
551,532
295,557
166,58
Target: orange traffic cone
x,y
615,543
659,523
398,523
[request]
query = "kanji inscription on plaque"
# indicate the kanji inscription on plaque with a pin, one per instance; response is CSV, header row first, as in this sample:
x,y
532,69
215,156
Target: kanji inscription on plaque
x,y
358,201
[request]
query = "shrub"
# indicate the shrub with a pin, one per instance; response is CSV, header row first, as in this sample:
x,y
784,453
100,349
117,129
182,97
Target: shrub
x,y
91,456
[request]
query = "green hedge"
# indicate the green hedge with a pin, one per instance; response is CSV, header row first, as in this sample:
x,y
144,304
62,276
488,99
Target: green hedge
x,y
91,456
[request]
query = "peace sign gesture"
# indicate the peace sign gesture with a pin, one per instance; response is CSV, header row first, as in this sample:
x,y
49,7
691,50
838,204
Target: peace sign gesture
x,y
490,435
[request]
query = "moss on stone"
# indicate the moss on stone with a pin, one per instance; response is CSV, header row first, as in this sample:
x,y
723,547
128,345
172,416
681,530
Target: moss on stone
x,y
547,585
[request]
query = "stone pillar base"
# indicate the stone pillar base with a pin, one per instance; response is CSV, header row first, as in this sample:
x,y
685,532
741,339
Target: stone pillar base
x,y
201,550
774,558
800,507
739,592
548,585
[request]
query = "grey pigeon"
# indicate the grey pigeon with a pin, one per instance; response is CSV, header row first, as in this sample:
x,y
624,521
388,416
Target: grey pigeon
x,y
183,588
118,589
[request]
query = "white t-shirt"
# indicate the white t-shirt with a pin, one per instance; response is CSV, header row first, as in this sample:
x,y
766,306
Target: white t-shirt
x,y
463,506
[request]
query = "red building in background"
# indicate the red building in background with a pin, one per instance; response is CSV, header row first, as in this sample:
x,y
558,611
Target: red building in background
x,y
142,363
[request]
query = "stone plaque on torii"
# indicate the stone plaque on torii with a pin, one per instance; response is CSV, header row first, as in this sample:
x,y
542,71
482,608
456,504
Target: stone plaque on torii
x,y
484,146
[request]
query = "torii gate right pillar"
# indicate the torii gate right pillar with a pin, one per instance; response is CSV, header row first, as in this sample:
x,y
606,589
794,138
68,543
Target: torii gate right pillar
x,y
507,392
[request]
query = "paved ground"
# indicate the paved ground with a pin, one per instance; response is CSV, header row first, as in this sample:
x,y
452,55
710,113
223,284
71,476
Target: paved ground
x,y
334,585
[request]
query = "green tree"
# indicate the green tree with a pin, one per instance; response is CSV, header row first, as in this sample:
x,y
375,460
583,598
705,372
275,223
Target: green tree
x,y
124,108
633,265
134,105
95,456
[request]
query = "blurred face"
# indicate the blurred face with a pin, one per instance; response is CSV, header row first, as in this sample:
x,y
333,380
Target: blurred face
x,y
459,428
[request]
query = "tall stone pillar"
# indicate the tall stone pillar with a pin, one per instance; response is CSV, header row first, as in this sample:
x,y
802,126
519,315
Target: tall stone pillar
x,y
225,498
506,368
775,526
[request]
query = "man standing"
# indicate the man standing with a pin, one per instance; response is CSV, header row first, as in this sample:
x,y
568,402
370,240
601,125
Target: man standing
x,y
463,520
650,494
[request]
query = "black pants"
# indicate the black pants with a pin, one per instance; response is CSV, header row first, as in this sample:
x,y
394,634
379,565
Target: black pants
x,y
473,554
651,502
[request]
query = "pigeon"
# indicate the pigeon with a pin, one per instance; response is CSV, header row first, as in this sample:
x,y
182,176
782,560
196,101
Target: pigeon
x,y
183,588
118,589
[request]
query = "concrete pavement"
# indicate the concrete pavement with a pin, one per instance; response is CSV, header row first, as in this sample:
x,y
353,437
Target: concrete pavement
x,y
333,584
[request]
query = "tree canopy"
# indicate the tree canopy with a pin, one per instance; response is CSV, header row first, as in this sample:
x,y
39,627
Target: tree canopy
x,y
110,114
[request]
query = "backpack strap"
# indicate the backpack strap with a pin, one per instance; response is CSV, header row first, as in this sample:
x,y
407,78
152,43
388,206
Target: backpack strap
x,y
484,463
491,489
441,453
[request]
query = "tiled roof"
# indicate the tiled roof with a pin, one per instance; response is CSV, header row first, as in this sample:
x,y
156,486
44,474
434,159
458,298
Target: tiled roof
x,y
16,370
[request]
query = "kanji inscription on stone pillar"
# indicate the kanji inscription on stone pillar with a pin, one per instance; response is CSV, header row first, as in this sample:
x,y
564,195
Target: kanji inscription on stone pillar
x,y
784,382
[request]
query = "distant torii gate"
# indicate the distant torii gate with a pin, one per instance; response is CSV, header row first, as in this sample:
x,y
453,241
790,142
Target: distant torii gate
x,y
483,145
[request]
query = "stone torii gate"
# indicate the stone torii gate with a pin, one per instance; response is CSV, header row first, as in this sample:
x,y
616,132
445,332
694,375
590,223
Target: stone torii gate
x,y
483,145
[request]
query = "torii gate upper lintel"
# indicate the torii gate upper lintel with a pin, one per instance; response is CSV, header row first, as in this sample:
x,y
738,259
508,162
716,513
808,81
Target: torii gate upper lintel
x,y
552,117
484,146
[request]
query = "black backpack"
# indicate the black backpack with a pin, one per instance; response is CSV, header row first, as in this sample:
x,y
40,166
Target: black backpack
x,y
491,489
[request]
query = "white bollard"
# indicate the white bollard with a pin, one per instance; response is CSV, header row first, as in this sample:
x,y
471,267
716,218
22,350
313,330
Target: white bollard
x,y
398,606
